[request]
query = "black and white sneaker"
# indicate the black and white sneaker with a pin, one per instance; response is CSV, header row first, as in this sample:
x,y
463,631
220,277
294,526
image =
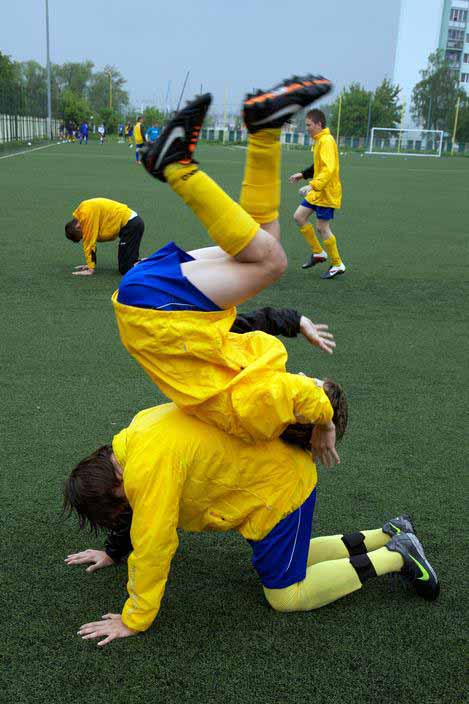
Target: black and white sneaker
x,y
314,259
272,108
179,138
417,570
333,271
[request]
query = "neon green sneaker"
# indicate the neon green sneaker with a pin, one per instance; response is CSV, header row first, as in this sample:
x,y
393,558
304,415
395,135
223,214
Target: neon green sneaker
x,y
417,570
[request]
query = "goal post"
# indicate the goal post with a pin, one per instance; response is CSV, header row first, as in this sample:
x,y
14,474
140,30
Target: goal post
x,y
395,141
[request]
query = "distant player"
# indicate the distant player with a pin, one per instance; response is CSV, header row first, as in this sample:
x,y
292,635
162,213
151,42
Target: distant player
x,y
139,137
322,197
83,134
102,134
129,131
152,133
101,220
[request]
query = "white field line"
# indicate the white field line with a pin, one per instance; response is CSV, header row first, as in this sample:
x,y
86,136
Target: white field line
x,y
28,151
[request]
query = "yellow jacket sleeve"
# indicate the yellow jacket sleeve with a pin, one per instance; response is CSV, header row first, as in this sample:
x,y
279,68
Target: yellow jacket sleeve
x,y
265,409
328,164
154,540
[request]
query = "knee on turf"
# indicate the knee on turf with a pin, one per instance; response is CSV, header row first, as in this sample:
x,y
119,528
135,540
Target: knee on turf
x,y
283,600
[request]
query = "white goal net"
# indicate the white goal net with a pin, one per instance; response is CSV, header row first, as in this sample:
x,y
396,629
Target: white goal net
x,y
394,141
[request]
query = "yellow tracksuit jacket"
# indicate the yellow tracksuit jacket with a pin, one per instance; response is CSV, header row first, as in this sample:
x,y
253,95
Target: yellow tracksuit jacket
x,y
326,186
236,382
101,220
182,473
139,136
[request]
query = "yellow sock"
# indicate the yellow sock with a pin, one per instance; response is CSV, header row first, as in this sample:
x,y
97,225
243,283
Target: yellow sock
x,y
332,547
308,233
324,583
330,245
226,222
260,191
384,561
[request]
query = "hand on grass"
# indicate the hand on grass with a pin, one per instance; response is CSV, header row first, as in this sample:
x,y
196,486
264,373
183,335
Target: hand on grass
x,y
296,177
317,334
84,271
98,559
111,626
323,445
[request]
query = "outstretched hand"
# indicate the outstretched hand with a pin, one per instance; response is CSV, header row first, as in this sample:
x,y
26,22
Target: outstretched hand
x,y
295,177
323,445
317,335
111,626
98,559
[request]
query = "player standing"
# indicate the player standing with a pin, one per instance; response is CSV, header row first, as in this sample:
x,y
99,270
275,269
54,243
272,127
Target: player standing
x,y
323,196
139,137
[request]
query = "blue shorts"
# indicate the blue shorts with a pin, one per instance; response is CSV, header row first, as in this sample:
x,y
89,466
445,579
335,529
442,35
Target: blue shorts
x,y
322,213
158,282
280,558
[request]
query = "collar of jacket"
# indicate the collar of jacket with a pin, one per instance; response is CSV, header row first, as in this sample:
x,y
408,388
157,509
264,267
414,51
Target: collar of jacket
x,y
322,133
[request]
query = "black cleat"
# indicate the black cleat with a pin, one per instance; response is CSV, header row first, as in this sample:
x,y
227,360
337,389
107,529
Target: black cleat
x,y
333,271
417,570
179,138
400,524
272,108
314,259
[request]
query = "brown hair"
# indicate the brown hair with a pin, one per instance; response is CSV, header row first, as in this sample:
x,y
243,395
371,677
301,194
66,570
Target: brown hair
x,y
89,491
316,116
300,433
71,232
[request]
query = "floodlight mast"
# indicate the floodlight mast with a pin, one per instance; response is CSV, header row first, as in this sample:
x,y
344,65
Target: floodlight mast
x,y
49,92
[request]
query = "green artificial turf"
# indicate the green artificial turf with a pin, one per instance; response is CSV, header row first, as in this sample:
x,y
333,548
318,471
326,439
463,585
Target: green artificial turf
x,y
399,319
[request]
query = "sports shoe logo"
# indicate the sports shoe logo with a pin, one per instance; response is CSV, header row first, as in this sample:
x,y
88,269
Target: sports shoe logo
x,y
398,530
176,133
289,110
424,574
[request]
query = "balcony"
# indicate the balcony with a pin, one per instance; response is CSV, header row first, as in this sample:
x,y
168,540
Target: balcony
x,y
455,44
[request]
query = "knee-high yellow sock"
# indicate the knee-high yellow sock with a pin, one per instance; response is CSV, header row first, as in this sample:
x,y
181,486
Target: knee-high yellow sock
x,y
330,245
260,191
333,547
308,233
324,583
225,220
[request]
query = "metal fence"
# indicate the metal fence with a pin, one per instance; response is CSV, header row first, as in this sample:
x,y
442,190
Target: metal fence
x,y
302,140
24,128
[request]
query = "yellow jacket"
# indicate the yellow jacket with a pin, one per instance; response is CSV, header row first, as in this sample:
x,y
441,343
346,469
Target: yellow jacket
x,y
139,136
181,473
236,382
326,186
101,220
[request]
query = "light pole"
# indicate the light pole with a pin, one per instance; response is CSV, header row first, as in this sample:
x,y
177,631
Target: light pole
x,y
109,73
49,98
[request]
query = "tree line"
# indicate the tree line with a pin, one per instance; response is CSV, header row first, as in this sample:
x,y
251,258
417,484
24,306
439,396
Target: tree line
x,y
78,92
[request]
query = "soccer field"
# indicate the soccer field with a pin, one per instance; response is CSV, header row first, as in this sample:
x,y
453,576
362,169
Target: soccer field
x,y
399,319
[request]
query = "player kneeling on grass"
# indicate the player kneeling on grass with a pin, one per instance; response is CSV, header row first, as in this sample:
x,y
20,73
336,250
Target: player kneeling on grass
x,y
175,310
102,220
175,471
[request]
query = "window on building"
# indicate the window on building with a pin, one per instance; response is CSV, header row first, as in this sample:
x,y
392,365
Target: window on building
x,y
456,34
466,58
464,78
457,15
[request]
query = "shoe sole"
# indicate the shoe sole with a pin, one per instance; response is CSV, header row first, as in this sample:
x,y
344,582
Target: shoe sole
x,y
338,273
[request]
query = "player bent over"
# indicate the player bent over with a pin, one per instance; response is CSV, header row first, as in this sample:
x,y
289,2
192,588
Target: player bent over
x,y
175,310
322,196
101,220
177,472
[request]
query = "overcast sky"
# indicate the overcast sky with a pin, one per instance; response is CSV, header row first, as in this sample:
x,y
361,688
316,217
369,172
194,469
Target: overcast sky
x,y
229,47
